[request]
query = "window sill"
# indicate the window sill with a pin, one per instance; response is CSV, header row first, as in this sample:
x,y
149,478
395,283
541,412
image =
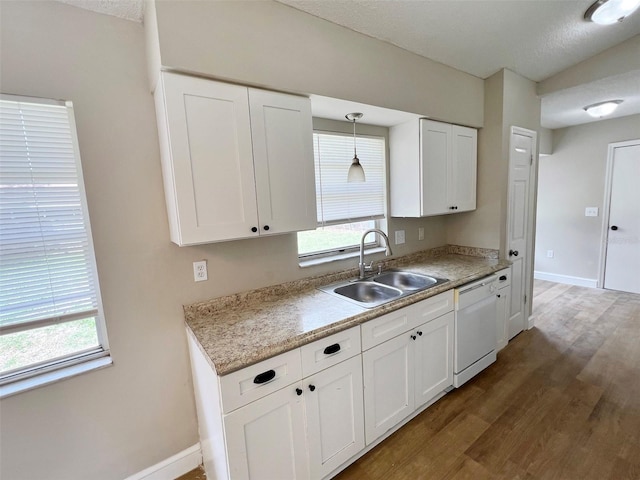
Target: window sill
x,y
47,378
311,262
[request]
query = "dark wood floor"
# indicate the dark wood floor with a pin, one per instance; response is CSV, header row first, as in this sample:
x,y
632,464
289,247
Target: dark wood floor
x,y
561,402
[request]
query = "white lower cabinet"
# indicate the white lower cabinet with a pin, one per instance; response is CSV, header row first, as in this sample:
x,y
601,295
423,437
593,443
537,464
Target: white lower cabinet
x,y
266,439
504,301
404,373
389,383
335,417
306,413
433,358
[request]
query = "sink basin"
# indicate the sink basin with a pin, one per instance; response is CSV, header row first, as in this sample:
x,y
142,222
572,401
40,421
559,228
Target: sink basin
x,y
368,292
382,288
405,280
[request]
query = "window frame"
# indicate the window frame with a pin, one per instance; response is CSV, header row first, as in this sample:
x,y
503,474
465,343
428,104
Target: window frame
x,y
23,378
333,127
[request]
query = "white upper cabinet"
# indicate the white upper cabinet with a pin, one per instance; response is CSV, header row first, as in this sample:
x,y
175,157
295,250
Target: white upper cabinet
x,y
237,162
433,168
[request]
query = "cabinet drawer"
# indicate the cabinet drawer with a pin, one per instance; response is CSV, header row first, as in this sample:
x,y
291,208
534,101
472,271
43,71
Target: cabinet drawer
x,y
330,350
384,328
433,307
254,382
504,277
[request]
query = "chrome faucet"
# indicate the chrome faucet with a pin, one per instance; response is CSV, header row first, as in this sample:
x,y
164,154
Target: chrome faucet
x,y
368,268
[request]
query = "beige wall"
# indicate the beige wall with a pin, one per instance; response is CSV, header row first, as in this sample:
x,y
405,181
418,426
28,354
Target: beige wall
x,y
269,44
510,100
570,179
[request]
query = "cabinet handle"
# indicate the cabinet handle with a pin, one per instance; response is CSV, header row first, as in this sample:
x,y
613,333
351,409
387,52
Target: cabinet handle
x,y
264,377
502,278
298,391
266,227
419,332
413,337
312,387
332,349
254,229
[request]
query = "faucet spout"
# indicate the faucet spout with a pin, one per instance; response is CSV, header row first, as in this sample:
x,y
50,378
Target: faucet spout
x,y
367,268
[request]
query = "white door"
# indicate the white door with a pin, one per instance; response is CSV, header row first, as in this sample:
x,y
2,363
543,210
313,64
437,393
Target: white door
x,y
388,371
335,416
622,264
434,358
266,439
521,152
282,135
211,159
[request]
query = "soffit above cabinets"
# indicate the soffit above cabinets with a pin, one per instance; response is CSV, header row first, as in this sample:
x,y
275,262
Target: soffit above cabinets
x,y
336,109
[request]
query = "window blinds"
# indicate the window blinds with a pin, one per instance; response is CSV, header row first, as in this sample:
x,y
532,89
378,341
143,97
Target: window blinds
x,y
47,271
342,202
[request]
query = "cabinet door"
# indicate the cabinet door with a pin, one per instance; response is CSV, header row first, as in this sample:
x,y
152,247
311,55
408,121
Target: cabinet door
x,y
434,358
266,439
502,306
435,151
207,159
335,416
461,184
282,135
388,385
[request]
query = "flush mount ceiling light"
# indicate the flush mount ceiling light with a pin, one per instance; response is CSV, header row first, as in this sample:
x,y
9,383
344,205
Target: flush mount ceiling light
x,y
608,12
356,172
602,109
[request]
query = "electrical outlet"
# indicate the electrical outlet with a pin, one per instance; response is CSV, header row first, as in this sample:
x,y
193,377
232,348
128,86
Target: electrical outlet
x,y
549,253
420,233
399,237
200,271
591,212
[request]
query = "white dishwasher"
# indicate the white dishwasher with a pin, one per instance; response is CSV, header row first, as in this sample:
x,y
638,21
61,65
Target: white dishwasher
x,y
475,328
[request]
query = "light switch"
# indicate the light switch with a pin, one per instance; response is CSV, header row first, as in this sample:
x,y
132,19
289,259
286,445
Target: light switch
x,y
420,233
591,212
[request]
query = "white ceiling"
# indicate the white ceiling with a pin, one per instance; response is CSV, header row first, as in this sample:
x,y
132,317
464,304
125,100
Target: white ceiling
x,y
534,38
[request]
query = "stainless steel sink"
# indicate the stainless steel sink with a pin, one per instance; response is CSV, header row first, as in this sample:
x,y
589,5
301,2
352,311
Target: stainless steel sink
x,y
405,280
368,292
382,288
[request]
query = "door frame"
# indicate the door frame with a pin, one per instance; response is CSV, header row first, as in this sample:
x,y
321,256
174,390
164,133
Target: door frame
x,y
606,205
531,213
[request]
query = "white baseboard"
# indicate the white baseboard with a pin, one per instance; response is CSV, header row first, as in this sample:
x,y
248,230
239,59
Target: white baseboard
x,y
172,467
578,281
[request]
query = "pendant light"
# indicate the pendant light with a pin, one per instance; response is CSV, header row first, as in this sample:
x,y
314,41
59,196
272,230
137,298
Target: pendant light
x,y
356,172
608,12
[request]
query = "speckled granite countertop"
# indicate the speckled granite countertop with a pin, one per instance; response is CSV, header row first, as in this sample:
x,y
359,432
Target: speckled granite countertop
x,y
242,329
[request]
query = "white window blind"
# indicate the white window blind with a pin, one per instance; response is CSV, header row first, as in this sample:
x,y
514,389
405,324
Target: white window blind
x,y
47,267
341,202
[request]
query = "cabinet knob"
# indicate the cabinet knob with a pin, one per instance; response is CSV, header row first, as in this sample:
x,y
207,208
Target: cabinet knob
x,y
266,227
312,387
419,332
413,337
254,229
513,253
498,295
614,227
298,391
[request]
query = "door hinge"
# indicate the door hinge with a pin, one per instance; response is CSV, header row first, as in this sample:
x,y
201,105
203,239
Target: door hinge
x,y
531,160
525,299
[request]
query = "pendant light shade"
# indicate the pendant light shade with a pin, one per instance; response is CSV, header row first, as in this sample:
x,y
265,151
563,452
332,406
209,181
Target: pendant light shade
x,y
356,172
608,12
